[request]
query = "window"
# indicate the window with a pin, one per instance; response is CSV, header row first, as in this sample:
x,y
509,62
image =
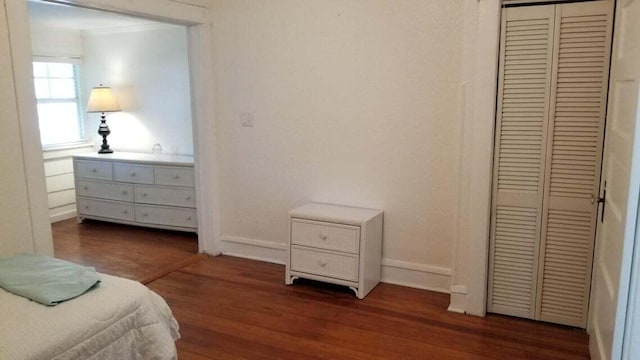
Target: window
x,y
56,85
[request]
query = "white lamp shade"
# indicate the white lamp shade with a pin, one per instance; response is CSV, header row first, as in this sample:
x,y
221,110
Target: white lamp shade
x,y
102,100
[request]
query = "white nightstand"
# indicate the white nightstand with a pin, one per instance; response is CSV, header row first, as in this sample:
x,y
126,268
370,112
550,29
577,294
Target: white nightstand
x,y
335,244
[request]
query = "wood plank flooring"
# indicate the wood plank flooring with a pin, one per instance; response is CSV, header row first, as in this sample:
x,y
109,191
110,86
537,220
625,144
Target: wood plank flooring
x,y
131,252
232,308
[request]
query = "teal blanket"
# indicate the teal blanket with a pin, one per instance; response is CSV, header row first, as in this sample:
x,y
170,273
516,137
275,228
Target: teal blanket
x,y
44,279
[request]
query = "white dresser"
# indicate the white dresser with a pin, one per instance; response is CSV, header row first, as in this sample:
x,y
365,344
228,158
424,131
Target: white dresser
x,y
336,244
137,189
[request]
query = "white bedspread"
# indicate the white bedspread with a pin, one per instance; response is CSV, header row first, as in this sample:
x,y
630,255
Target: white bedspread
x,y
121,319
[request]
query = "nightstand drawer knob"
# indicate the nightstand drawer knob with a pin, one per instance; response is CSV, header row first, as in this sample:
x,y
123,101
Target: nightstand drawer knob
x,y
124,192
144,194
125,211
94,170
86,187
323,263
188,218
188,198
176,176
323,236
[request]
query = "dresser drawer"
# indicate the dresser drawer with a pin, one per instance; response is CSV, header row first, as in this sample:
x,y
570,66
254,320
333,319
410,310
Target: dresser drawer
x,y
175,176
105,190
323,235
93,170
166,216
158,195
140,174
105,208
318,262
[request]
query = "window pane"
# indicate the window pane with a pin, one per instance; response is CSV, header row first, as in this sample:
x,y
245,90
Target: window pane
x,y
56,88
39,69
42,88
60,70
63,88
59,123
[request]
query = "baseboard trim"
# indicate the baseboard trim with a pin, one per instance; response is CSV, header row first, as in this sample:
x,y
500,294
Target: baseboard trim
x,y
404,273
420,276
254,249
62,216
458,299
399,264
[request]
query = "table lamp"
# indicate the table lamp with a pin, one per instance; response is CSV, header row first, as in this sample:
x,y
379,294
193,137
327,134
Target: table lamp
x,y
101,100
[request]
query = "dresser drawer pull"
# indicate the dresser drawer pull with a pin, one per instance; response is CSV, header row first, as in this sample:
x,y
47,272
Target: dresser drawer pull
x,y
176,176
145,214
188,198
144,194
86,206
133,174
124,192
125,211
322,263
188,218
323,236
94,170
86,188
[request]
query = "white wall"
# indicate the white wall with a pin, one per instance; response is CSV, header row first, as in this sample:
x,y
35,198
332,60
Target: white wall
x,y
15,226
354,102
24,225
149,74
48,41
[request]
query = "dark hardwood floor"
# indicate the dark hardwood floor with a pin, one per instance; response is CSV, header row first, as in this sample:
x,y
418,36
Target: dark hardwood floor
x,y
232,308
131,252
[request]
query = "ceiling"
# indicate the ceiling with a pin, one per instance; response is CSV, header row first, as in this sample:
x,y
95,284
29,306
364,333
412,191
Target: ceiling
x,y
76,18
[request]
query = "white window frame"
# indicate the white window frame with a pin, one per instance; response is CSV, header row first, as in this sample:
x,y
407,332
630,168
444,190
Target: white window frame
x,y
77,62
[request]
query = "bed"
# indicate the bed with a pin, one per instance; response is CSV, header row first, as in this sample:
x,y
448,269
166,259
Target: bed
x,y
120,319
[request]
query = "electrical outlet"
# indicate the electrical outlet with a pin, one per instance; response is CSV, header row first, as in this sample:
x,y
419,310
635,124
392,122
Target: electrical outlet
x,y
246,119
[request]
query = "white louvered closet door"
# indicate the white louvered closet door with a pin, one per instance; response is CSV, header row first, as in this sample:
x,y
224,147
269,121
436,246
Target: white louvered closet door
x,y
551,107
574,154
518,188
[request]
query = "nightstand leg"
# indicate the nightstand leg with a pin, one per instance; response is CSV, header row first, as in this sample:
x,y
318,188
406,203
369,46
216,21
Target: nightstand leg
x,y
288,280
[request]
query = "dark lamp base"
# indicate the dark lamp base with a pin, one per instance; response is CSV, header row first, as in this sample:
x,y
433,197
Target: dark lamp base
x,y
103,130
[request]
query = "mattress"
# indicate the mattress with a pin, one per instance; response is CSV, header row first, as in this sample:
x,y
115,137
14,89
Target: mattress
x,y
122,319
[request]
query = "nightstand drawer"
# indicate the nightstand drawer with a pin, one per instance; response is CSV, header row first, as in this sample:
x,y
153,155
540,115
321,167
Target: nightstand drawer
x,y
105,190
175,176
166,216
105,208
158,195
140,174
94,170
325,235
317,262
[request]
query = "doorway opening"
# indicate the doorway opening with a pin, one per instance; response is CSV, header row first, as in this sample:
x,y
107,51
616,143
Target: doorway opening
x,y
196,21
